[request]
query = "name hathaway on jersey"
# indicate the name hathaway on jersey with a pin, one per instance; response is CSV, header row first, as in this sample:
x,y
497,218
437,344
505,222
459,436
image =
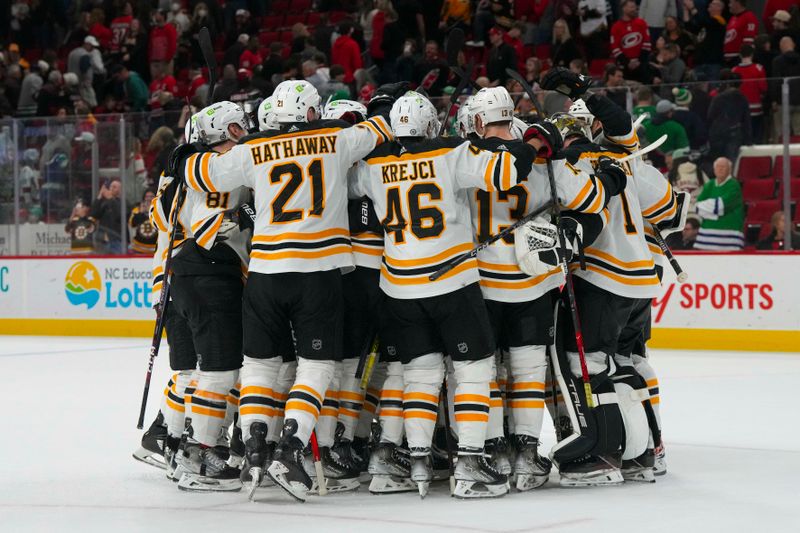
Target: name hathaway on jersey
x,y
288,148
413,170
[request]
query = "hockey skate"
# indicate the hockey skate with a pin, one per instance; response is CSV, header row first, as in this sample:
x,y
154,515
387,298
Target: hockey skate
x,y
390,467
476,478
421,469
256,458
236,458
640,468
497,450
206,470
286,469
360,447
171,449
341,472
591,471
151,451
660,465
531,469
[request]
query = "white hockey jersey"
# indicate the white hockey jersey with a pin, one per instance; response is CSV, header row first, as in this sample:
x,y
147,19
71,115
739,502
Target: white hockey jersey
x,y
421,195
298,178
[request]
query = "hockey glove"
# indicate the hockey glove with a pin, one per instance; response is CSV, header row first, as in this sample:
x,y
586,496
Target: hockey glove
x,y
676,223
177,159
247,217
384,97
566,82
549,137
612,174
536,245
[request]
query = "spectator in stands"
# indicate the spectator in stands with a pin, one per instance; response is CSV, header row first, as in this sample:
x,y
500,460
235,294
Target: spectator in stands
x,y
120,27
346,52
310,74
455,14
335,88
162,83
241,23
431,70
12,85
721,206
29,90
630,43
784,66
134,48
234,52
663,124
162,43
501,57
780,28
107,210
694,125
202,18
765,54
229,83
594,28
273,63
179,18
754,88
614,82
729,125
685,240
710,31
514,38
81,228
160,145
674,33
196,82
771,9
644,104
322,35
251,55
654,13
52,96
378,23
85,61
671,68
686,175
136,94
741,29
578,66
775,239
142,233
98,29
15,58
533,69
300,38
564,47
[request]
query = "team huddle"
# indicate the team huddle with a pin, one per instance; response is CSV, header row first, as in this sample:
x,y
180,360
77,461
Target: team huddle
x,y
330,321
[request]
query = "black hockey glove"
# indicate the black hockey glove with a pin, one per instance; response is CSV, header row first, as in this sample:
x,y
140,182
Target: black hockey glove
x,y
566,82
612,174
177,159
549,136
247,217
384,97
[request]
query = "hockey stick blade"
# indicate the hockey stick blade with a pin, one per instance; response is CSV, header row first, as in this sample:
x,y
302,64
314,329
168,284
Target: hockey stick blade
x,y
322,484
516,76
458,71
488,242
207,49
647,149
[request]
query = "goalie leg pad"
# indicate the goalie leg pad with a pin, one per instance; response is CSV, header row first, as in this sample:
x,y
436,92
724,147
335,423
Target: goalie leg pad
x,y
630,395
423,381
471,401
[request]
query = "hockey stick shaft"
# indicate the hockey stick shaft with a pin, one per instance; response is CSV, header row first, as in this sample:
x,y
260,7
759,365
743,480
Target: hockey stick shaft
x,y
456,94
448,435
488,242
321,483
367,361
682,276
207,49
647,149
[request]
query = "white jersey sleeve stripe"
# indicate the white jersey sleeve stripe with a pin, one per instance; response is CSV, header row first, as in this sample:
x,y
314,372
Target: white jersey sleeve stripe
x,y
208,230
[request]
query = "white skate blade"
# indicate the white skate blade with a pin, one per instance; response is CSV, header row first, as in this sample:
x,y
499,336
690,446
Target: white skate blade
x,y
148,457
640,475
364,477
255,477
525,482
422,487
660,467
197,483
475,489
234,461
277,472
342,485
382,484
596,479
176,474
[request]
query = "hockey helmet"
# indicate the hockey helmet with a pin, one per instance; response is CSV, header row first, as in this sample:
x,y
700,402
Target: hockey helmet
x,y
293,99
267,120
491,104
337,108
191,132
413,115
464,124
214,120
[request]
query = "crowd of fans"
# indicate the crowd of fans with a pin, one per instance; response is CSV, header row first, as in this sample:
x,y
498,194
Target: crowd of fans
x,y
704,72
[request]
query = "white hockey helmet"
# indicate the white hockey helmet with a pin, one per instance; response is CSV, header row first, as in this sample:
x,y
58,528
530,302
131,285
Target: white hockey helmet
x,y
293,99
580,112
337,108
413,115
267,120
492,104
518,128
214,121
464,122
191,133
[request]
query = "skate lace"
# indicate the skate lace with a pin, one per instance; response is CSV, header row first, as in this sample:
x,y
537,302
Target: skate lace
x,y
487,465
215,460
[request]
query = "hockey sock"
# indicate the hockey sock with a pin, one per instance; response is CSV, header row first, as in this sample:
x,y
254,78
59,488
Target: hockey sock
x,y
233,404
371,401
306,395
495,427
423,380
391,415
528,370
209,404
643,367
351,398
329,415
280,392
257,399
471,402
174,405
502,381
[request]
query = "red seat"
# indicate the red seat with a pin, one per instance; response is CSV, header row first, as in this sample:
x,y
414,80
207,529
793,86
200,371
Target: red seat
x,y
267,37
286,37
753,167
597,67
794,166
271,23
291,20
280,7
795,189
760,211
337,16
544,51
301,6
758,190
312,19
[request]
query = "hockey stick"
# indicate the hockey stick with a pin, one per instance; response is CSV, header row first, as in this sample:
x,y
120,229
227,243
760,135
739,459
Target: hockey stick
x,y
682,276
455,41
488,242
207,49
562,242
458,71
366,369
448,436
322,484
647,149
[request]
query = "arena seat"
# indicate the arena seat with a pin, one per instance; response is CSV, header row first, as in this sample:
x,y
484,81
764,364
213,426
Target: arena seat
x,y
760,211
753,167
794,189
794,166
758,189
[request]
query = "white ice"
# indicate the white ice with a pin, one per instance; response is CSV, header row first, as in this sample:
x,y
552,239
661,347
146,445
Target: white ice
x,y
70,407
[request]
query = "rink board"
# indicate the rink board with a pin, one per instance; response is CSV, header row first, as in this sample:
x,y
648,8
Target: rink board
x,y
730,302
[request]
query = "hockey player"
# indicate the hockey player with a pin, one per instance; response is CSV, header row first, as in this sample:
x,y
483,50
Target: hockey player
x,y
207,290
301,242
520,305
420,187
619,271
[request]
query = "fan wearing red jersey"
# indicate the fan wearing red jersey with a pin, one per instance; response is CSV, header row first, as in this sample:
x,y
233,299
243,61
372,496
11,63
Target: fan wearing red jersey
x,y
741,29
630,43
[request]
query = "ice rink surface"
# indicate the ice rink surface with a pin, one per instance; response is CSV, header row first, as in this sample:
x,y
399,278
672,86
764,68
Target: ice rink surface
x,y
730,427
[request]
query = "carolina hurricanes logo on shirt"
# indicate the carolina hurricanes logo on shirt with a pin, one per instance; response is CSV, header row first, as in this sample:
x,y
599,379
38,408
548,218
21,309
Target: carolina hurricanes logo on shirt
x,y
632,40
730,35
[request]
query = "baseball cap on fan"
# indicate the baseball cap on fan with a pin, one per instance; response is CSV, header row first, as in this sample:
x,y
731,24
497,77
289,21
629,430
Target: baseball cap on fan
x,y
90,39
782,15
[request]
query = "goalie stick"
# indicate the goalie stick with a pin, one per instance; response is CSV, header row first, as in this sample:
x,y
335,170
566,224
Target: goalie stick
x,y
207,49
573,307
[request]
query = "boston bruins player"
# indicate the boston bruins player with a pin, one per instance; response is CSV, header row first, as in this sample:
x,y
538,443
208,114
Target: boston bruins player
x,y
301,242
420,187
520,305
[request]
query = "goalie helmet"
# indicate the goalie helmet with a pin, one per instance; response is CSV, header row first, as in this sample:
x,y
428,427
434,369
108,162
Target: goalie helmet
x,y
581,113
570,126
491,104
267,120
214,120
337,108
191,133
293,99
413,115
464,125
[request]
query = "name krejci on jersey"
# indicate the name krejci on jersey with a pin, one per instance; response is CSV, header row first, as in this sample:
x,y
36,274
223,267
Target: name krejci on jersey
x,y
286,149
413,170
